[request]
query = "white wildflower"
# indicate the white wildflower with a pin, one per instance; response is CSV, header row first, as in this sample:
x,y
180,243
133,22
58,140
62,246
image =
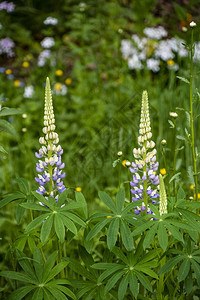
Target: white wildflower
x,y
47,42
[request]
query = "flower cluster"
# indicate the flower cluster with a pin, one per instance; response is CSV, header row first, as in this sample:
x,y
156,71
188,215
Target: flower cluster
x,y
47,42
151,51
44,55
163,197
8,6
6,47
145,183
50,165
51,21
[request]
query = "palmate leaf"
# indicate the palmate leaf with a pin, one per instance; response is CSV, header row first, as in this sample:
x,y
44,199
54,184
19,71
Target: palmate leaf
x,y
184,269
75,218
7,127
113,280
46,228
81,199
196,268
21,292
133,284
14,196
123,287
162,236
38,294
36,222
63,289
49,265
17,276
68,224
170,264
5,111
120,200
59,227
107,200
111,269
112,233
97,228
35,206
150,236
56,270
126,235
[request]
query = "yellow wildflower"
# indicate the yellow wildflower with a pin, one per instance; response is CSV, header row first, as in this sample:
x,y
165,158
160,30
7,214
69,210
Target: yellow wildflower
x,y
109,217
59,73
78,189
124,163
198,196
163,171
170,62
25,64
191,186
16,83
8,71
57,86
68,81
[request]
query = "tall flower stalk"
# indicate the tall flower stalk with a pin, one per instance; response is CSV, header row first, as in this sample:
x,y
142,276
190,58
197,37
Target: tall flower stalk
x,y
50,166
192,25
145,181
163,197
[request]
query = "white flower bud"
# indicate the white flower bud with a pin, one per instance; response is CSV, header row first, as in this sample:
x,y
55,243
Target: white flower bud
x,y
45,130
42,140
193,24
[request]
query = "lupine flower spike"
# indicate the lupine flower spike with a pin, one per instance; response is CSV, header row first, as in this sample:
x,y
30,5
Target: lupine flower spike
x,y
49,166
163,197
145,182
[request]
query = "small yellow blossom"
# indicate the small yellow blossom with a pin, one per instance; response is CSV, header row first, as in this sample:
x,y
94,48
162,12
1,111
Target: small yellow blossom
x,y
16,83
8,71
192,187
58,86
170,62
78,189
163,171
68,81
109,217
59,73
198,196
124,163
25,64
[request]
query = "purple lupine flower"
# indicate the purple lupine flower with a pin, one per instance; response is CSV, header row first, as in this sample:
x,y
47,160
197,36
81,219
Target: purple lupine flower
x,y
50,164
145,182
8,6
6,47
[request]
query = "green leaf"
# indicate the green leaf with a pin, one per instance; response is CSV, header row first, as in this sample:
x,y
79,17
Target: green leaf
x,y
162,236
123,287
2,150
72,205
150,236
144,281
17,276
112,233
184,270
7,127
62,197
107,201
49,265
34,206
36,222
112,269
147,271
113,280
170,264
196,268
133,284
175,176
24,262
5,111
63,289
142,228
56,270
118,252
46,229
183,79
56,293
81,199
59,227
8,199
42,199
69,224
126,235
130,206
188,283
38,263
97,228
23,185
75,218
21,292
38,294
120,199
180,193
174,232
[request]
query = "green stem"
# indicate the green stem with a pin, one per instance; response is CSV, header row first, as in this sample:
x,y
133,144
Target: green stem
x,y
174,160
192,119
